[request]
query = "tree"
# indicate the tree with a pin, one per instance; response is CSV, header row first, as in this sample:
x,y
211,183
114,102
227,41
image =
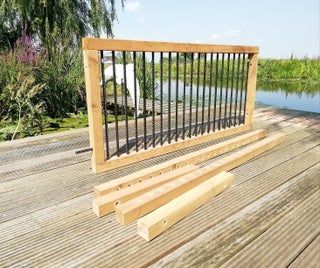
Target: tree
x,y
53,23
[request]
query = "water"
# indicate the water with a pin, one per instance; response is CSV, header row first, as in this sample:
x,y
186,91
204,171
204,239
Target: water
x,y
294,96
293,101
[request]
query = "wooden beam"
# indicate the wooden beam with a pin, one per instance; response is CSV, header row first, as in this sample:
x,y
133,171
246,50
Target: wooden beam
x,y
192,158
251,88
105,204
145,203
150,46
155,223
124,160
92,77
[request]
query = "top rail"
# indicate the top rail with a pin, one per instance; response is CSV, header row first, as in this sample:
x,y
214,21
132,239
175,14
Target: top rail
x,y
150,46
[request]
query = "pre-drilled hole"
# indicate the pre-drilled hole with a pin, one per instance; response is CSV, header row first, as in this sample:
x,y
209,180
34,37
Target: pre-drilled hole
x,y
165,221
116,203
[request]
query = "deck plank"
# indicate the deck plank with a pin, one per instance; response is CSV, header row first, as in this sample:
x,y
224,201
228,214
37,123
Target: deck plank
x,y
46,218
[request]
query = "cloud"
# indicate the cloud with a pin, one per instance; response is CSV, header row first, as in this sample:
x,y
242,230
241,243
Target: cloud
x,y
225,35
132,6
215,36
141,19
197,41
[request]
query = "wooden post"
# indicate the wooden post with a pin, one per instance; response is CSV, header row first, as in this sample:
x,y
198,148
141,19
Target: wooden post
x,y
91,69
251,88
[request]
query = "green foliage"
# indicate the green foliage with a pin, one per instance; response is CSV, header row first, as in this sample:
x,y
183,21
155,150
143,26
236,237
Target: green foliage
x,y
292,69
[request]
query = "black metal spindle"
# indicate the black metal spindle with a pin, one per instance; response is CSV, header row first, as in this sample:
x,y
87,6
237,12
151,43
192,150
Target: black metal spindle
x,y
169,98
184,95
246,89
216,92
161,98
144,99
104,104
125,99
210,93
237,90
153,100
203,91
242,86
197,94
232,89
191,96
115,102
221,90
177,95
226,93
135,99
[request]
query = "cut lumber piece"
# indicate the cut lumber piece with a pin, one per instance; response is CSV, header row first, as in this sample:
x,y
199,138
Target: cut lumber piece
x,y
149,201
159,220
192,158
105,204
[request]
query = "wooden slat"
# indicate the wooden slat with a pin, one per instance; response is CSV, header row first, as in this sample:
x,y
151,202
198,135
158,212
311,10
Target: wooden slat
x,y
155,223
150,46
91,69
134,157
105,204
145,203
192,158
251,88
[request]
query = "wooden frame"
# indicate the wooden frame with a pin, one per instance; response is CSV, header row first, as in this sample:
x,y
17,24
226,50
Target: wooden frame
x,y
91,47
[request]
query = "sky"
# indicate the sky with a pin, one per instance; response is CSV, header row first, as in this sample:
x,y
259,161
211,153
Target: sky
x,y
279,27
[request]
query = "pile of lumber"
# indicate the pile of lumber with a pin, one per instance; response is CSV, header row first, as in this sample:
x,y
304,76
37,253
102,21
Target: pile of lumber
x,y
161,195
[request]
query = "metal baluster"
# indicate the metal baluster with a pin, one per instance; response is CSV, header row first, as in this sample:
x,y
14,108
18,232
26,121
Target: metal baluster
x,y
184,95
144,100
125,99
215,92
210,93
191,88
135,99
237,89
104,104
115,101
246,90
242,85
169,99
221,88
231,94
226,93
197,98
203,92
161,98
153,107
177,95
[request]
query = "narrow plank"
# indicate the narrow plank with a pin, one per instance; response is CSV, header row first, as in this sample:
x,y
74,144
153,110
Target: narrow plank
x,y
103,205
309,257
155,223
191,158
92,77
137,207
124,160
219,243
151,46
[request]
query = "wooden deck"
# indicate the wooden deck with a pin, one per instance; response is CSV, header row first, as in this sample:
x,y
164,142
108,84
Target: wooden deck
x,y
269,218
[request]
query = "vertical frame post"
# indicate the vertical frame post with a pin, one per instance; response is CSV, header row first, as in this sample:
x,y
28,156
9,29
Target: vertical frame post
x,y
91,68
251,88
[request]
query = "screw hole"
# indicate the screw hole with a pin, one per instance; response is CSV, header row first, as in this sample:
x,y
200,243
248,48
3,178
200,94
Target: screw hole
x,y
129,185
140,180
116,203
118,189
165,221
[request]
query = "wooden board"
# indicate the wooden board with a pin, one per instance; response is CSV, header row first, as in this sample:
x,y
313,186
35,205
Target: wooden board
x,y
105,204
145,203
251,88
155,223
124,160
91,69
192,158
150,46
